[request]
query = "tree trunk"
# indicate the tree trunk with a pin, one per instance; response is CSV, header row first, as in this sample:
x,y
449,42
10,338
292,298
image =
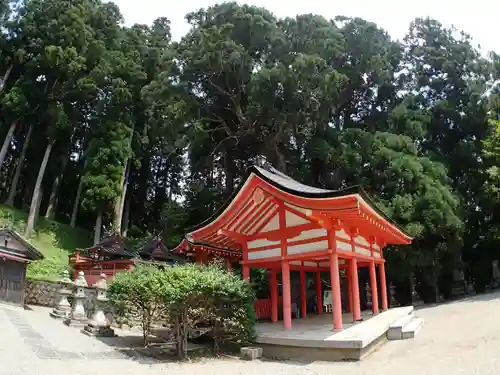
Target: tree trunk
x,y
120,202
126,214
76,204
6,77
229,173
37,207
98,228
19,168
51,208
6,143
37,191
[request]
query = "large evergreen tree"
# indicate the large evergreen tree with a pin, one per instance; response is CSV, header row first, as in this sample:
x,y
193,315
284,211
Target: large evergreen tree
x,y
148,135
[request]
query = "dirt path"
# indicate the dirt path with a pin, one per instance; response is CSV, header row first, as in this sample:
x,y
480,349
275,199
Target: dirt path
x,y
458,338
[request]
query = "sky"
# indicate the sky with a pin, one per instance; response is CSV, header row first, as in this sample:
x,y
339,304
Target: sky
x,y
478,18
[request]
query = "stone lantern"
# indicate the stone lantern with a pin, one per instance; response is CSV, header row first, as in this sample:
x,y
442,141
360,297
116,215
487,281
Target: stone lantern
x,y
63,309
78,317
99,325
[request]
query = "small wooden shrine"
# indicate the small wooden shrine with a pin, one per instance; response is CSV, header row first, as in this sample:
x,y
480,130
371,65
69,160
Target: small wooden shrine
x,y
110,256
15,255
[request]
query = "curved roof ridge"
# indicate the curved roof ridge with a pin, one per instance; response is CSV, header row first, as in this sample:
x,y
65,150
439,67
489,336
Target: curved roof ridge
x,y
282,181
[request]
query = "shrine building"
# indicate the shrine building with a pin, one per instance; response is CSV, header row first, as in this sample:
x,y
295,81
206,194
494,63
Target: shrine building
x,y
279,224
110,256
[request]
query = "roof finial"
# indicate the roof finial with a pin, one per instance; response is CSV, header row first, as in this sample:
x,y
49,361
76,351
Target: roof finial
x,y
261,161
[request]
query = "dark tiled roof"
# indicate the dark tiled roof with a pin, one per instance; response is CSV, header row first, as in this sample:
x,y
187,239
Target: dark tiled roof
x,y
30,253
154,249
286,183
278,178
113,245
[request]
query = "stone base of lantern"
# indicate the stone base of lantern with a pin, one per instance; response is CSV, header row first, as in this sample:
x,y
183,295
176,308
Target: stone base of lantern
x,y
60,313
79,323
92,329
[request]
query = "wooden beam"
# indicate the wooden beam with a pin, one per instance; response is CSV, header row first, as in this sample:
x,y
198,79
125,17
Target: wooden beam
x,y
234,235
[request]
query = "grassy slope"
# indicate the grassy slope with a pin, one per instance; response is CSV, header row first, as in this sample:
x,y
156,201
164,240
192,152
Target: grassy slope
x,y
54,240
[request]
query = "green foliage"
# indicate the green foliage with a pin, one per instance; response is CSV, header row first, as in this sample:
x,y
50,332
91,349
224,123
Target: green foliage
x,y
54,240
209,295
188,296
138,295
164,131
492,153
106,155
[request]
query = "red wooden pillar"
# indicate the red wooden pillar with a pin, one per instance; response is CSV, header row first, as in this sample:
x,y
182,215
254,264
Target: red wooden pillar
x,y
383,286
229,265
336,300
245,268
198,257
349,289
373,287
246,272
274,295
319,293
287,295
353,270
303,295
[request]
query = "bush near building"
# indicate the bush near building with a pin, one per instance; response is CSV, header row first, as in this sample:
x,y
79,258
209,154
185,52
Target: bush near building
x,y
187,297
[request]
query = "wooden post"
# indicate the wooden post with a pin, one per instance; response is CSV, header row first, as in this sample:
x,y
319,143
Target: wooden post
x,y
198,258
356,309
245,268
303,295
373,287
349,289
229,265
383,286
287,295
285,272
274,296
319,293
246,272
336,299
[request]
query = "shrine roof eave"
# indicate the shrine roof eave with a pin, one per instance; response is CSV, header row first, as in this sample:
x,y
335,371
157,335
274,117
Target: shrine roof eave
x,y
14,258
31,252
185,244
286,184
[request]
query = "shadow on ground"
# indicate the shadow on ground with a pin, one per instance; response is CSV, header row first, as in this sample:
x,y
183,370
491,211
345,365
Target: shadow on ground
x,y
132,346
485,297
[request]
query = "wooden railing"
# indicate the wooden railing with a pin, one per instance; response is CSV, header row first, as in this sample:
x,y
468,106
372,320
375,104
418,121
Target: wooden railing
x,y
263,308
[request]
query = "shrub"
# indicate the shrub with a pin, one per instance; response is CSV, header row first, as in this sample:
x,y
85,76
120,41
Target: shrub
x,y
209,296
137,296
189,296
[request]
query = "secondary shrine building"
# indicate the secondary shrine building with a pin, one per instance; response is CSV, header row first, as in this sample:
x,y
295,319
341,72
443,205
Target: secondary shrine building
x,y
277,223
110,256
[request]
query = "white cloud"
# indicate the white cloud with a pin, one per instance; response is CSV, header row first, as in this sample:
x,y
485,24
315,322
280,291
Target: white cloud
x,y
478,18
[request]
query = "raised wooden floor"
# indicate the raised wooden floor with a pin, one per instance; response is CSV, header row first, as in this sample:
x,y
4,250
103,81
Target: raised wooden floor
x,y
313,338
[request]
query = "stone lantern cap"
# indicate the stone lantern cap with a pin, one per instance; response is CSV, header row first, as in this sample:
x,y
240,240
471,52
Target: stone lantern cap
x,y
80,281
102,283
65,280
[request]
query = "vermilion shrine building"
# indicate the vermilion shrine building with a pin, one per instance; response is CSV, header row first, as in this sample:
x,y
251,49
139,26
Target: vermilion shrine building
x,y
110,256
277,223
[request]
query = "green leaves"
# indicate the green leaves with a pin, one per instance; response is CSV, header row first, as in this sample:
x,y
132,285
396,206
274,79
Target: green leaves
x,y
187,296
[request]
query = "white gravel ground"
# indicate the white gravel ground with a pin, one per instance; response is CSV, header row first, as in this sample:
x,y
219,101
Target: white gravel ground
x,y
457,338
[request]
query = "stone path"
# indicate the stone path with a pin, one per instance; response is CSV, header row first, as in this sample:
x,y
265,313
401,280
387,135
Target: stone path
x,y
458,338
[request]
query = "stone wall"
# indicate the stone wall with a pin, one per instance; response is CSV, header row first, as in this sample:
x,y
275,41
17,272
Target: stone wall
x,y
40,293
